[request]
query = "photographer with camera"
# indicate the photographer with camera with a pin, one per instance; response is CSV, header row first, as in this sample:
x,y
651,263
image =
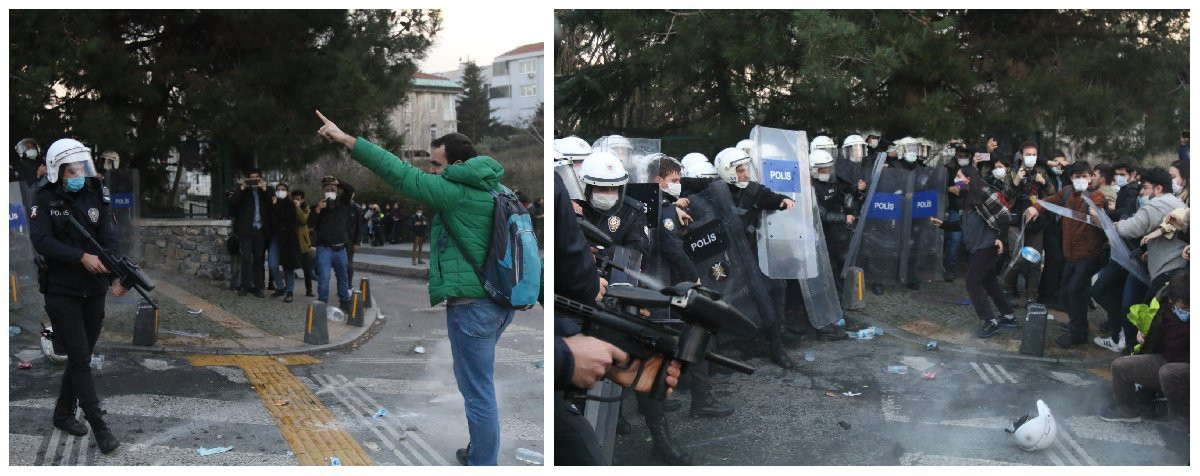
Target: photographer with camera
x,y
75,278
250,206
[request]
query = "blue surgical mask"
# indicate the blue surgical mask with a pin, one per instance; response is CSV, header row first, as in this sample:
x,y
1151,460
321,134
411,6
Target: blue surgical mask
x,y
1142,200
75,184
1182,314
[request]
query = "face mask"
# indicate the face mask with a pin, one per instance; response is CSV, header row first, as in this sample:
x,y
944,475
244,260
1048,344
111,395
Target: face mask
x,y
31,153
1030,161
910,157
603,202
330,195
873,143
418,213
1175,187
962,185
674,189
963,162
74,184
1056,170
999,172
1142,201
741,184
1080,184
1182,314
281,194
1122,180
823,177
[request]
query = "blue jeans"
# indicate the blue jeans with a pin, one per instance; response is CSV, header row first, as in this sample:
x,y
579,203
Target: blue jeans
x,y
279,277
326,258
474,328
952,245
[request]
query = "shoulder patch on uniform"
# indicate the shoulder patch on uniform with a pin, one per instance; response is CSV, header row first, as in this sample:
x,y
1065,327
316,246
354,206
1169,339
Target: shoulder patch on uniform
x,y
105,194
33,212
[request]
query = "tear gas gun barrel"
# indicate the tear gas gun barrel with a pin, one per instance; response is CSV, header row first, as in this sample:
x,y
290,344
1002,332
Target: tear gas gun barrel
x,y
703,313
130,274
600,239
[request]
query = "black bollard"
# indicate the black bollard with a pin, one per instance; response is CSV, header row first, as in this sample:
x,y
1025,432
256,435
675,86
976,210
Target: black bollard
x,y
356,310
365,287
1033,336
316,328
852,288
145,325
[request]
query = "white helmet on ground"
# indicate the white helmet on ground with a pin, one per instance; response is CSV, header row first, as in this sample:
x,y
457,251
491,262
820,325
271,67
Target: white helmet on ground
x,y
68,151
728,161
572,148
823,143
1035,433
603,169
697,169
854,148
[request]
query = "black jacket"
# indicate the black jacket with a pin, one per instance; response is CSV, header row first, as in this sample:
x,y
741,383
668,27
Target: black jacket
x,y
576,277
62,246
670,245
283,233
241,207
332,225
626,227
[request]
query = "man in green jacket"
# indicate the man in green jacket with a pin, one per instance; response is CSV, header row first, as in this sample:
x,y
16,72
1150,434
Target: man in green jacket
x,y
458,191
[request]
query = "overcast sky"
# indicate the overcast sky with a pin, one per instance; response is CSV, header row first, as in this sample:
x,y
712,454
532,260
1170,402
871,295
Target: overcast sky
x,y
472,32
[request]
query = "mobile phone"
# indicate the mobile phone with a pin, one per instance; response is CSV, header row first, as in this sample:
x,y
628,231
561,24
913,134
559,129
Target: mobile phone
x,y
983,156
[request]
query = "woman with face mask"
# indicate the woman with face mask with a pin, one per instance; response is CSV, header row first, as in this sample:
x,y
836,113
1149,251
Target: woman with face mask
x,y
1179,180
283,254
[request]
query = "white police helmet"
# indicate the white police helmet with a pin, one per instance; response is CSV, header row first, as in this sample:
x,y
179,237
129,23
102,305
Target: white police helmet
x,y
68,151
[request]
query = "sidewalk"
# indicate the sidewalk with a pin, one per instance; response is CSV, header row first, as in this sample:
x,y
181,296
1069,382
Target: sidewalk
x,y
395,260
942,312
198,315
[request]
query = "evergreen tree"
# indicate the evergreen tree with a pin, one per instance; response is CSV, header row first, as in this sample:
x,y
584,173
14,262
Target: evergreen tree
x,y
474,112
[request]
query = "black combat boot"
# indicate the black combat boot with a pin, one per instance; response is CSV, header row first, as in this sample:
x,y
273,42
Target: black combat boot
x,y
831,332
776,352
664,444
105,440
64,419
704,404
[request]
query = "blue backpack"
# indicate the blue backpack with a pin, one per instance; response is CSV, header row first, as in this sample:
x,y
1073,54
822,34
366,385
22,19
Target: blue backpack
x,y
512,270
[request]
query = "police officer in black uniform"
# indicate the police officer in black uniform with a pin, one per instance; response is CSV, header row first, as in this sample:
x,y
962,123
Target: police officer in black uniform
x,y
75,280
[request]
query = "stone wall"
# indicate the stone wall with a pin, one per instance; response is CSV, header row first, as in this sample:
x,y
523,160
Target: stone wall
x,y
195,247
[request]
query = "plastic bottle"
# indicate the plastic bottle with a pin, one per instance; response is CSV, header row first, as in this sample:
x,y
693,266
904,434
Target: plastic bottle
x,y
808,356
529,457
335,314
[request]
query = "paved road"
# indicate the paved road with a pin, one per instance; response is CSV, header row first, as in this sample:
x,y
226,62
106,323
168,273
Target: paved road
x,y
164,406
786,418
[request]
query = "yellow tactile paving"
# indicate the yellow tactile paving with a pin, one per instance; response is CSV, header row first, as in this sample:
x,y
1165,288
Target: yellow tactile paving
x,y
211,311
305,423
1105,372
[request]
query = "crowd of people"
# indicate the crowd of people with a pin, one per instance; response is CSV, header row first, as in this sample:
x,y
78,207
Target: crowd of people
x,y
1034,228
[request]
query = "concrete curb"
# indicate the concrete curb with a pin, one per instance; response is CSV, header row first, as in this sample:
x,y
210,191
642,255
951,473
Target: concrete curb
x,y
370,321
964,349
415,273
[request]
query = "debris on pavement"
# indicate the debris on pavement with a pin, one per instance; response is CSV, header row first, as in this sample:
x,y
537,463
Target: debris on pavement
x,y
529,457
379,414
281,403
896,369
334,461
539,363
197,335
851,394
25,365
195,312
844,425
809,356
418,349
14,330
212,451
930,375
97,362
831,394
932,345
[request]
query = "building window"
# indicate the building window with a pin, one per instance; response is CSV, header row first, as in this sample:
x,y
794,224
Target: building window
x,y
449,111
433,103
500,92
500,69
433,132
528,90
528,66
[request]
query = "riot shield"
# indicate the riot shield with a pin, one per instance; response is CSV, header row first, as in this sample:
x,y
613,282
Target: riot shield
x,y
602,415
716,243
924,199
884,232
821,299
786,240
22,274
643,149
123,188
570,180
